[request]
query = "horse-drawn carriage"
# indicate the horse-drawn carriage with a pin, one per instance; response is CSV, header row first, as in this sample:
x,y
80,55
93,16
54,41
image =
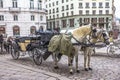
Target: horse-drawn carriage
x,y
40,47
33,45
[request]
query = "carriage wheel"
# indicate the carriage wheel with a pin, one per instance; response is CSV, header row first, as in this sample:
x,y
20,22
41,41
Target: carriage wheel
x,y
37,57
56,56
113,50
15,54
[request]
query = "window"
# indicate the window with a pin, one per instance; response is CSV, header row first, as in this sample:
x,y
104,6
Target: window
x,y
71,22
107,4
93,5
101,20
32,30
80,21
100,11
15,17
16,31
53,10
1,18
87,5
80,5
62,1
46,6
72,6
53,4
100,5
62,14
57,10
57,15
41,18
32,17
80,12
62,8
14,3
31,4
50,17
67,13
64,23
67,7
86,20
49,5
87,11
94,12
107,11
56,2
39,5
94,20
53,16
72,13
2,30
1,3
50,11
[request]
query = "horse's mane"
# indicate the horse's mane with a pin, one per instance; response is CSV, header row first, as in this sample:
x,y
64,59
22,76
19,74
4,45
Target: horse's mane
x,y
81,32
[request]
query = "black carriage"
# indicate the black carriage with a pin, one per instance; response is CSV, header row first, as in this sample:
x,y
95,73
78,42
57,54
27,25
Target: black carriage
x,y
22,45
35,46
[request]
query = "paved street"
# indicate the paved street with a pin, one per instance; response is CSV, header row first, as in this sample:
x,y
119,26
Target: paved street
x,y
104,68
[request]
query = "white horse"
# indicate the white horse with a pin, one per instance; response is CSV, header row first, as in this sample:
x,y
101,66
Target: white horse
x,y
79,34
102,37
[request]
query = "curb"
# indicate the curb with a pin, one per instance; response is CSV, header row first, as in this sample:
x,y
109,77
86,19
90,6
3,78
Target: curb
x,y
57,76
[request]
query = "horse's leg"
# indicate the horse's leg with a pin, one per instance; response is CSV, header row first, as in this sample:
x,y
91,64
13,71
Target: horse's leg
x,y
70,64
55,62
85,58
89,58
76,58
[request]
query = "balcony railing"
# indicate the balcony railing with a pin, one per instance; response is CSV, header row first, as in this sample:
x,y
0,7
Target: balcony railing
x,y
12,9
38,10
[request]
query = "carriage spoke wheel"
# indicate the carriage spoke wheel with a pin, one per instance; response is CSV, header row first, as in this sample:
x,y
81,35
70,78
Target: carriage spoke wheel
x,y
37,57
15,54
56,56
113,50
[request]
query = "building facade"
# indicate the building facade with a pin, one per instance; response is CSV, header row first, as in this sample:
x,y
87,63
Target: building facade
x,y
75,13
21,17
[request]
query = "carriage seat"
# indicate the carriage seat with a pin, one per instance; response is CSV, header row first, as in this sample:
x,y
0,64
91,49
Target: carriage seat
x,y
23,42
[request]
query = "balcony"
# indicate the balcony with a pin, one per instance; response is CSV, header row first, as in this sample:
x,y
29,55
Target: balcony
x,y
12,9
36,10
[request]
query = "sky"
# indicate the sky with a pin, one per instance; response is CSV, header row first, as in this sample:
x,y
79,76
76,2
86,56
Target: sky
x,y
117,5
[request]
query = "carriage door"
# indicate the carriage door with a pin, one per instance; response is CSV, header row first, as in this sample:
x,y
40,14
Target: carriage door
x,y
32,30
2,30
16,31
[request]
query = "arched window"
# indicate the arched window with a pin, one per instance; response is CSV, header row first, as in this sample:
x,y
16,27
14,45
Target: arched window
x,y
41,28
2,30
32,30
16,31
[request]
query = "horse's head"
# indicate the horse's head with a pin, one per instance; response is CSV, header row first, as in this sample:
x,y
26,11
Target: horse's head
x,y
103,36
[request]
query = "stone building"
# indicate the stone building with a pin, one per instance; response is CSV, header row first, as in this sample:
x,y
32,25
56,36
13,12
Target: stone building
x,y
74,13
21,17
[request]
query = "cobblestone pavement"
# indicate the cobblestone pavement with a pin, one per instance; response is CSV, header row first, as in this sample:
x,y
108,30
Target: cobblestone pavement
x,y
104,68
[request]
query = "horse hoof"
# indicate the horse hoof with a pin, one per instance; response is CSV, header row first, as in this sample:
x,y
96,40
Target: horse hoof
x,y
56,67
78,71
71,71
90,69
86,69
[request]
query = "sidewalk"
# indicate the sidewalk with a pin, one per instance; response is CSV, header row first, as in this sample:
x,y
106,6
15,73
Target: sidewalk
x,y
14,71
